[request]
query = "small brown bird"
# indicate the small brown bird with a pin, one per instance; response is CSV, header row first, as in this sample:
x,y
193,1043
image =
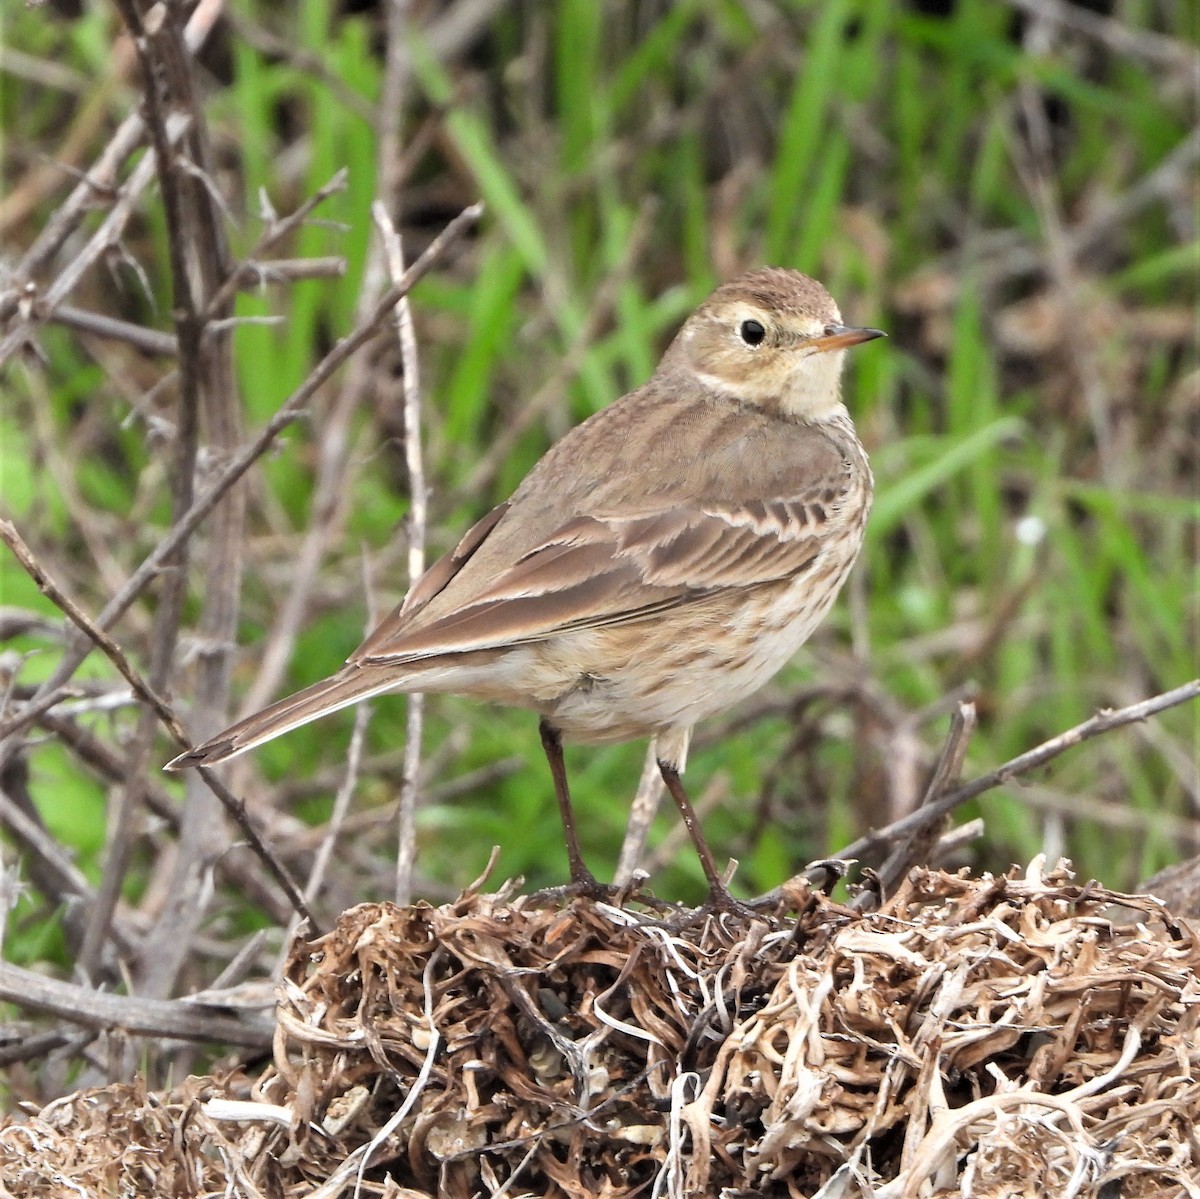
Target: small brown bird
x,y
660,563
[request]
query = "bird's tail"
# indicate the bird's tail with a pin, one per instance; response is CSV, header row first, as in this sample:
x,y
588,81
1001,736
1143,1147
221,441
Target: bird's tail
x,y
340,691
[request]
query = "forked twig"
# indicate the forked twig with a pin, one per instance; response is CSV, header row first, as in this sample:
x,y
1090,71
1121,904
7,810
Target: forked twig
x,y
111,650
235,807
918,845
1103,722
289,412
99,181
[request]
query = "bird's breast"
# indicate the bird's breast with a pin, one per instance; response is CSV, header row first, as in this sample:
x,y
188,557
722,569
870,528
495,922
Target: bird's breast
x,y
673,669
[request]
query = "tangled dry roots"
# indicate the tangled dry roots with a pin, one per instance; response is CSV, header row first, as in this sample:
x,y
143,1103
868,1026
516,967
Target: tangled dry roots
x,y
1011,1036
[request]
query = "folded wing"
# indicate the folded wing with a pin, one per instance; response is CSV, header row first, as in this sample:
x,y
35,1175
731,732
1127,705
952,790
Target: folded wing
x,y
608,569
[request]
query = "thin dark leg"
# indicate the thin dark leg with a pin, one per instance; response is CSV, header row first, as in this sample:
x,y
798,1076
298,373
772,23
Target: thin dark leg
x,y
552,744
718,893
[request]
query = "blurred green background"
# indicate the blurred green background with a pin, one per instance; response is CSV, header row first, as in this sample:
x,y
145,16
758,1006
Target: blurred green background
x,y
1013,199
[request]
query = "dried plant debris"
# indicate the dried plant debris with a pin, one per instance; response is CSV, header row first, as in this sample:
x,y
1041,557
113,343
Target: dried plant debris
x,y
1020,1035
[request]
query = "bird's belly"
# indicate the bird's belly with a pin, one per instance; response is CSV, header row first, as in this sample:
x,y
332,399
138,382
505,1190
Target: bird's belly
x,y
624,681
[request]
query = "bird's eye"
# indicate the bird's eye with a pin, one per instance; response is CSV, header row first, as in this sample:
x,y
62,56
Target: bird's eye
x,y
752,332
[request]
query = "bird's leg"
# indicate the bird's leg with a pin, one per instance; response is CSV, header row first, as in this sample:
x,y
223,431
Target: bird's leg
x,y
718,894
581,876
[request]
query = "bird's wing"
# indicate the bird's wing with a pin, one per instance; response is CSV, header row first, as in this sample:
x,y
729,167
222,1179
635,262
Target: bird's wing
x,y
431,584
612,568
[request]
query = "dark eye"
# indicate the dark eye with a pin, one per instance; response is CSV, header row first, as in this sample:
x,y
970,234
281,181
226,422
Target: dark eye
x,y
752,332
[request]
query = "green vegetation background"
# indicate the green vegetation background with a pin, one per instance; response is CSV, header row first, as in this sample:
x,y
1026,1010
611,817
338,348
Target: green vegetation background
x,y
1032,426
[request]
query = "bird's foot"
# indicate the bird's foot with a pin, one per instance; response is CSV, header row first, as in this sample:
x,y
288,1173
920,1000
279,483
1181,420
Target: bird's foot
x,y
719,903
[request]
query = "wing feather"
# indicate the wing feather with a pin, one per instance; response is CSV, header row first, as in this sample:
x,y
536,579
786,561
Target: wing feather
x,y
431,584
602,570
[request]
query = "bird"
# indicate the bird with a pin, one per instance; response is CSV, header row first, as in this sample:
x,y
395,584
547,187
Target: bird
x,y
658,564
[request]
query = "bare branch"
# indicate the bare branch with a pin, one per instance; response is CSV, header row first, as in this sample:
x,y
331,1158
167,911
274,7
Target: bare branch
x,y
99,182
289,270
1103,722
641,817
50,867
37,307
148,341
290,411
919,845
236,808
249,273
233,867
406,334
115,654
341,804
102,1010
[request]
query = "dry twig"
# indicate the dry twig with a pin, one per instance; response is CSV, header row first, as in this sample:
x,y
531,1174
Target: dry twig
x,y
289,412
406,834
1103,722
175,1018
985,1035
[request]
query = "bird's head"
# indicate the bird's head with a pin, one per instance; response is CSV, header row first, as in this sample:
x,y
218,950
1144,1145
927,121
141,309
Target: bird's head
x,y
770,337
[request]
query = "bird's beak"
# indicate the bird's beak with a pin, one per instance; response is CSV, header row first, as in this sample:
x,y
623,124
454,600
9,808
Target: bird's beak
x,y
841,337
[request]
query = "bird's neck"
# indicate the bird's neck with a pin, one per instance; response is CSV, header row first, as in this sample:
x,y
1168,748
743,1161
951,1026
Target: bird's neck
x,y
813,391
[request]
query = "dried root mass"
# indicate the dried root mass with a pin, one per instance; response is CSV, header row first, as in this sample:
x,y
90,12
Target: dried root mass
x,y
1013,1036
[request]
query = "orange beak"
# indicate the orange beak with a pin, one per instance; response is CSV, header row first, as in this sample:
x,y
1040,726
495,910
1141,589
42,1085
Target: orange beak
x,y
841,337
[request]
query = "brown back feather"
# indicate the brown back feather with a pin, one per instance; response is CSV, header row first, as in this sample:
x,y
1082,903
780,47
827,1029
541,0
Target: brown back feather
x,y
583,542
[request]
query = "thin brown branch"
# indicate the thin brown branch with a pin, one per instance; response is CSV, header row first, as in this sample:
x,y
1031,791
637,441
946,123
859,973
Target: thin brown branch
x,y
234,868
289,412
950,763
115,654
99,182
38,1046
236,808
249,273
21,622
1103,722
918,846
104,1011
37,306
148,341
406,833
955,840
